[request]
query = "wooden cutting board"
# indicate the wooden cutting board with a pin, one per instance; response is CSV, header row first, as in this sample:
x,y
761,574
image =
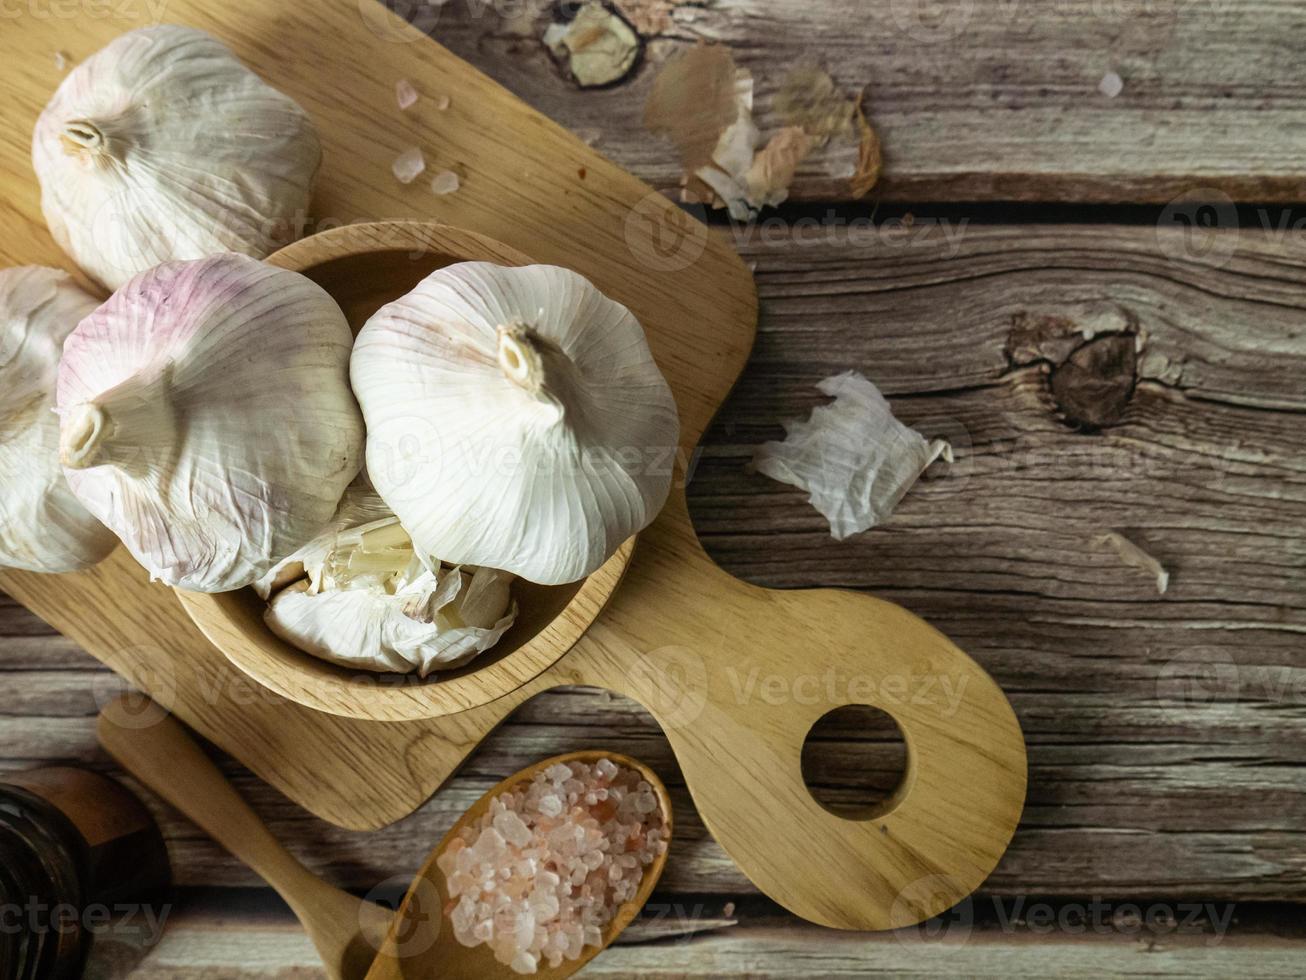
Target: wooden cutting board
x,y
736,675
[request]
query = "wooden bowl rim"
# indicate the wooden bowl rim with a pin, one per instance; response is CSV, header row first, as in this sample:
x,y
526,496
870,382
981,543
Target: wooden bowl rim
x,y
318,684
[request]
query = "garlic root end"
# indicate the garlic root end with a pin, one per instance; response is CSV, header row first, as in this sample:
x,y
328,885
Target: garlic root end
x,y
81,436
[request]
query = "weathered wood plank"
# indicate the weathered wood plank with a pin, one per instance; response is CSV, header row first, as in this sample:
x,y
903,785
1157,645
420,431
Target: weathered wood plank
x,y
981,100
211,931
1152,721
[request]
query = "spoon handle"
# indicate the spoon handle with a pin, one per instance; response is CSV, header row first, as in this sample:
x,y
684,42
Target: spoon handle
x,y
160,754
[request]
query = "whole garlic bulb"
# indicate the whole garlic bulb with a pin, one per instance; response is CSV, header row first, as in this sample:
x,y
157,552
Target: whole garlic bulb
x,y
163,146
206,417
516,419
43,527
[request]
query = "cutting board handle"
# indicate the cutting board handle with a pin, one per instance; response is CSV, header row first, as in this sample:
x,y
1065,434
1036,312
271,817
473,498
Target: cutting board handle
x,y
738,675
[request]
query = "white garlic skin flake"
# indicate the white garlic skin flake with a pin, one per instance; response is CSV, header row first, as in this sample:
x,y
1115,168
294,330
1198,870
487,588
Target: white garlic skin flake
x,y
164,146
206,418
43,527
516,419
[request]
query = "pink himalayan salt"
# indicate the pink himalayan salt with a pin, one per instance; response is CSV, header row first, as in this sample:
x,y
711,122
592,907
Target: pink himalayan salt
x,y
405,94
445,182
409,165
544,870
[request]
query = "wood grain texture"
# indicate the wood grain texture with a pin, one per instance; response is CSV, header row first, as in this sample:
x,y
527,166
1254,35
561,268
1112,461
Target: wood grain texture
x,y
678,628
973,100
1164,732
245,937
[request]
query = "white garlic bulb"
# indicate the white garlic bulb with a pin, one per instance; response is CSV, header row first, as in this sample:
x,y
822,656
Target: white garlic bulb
x,y
43,527
206,417
163,146
370,602
516,419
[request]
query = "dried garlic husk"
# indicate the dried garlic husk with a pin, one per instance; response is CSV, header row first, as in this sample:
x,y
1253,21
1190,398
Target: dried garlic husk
x,y
164,146
516,419
206,418
853,457
371,603
43,527
361,505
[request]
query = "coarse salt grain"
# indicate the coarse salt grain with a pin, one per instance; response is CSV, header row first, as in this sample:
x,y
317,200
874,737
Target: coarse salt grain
x,y
544,870
445,182
409,165
442,103
405,94
1111,85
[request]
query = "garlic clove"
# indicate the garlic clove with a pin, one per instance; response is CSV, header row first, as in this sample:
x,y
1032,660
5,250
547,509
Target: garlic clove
x,y
164,146
206,418
516,419
360,505
43,527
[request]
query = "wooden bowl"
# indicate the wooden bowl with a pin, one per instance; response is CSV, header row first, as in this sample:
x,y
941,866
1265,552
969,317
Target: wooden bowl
x,y
421,942
364,267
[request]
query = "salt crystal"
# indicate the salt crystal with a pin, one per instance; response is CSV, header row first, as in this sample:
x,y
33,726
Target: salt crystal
x,y
1111,85
729,910
60,60
408,166
537,881
442,102
445,182
405,94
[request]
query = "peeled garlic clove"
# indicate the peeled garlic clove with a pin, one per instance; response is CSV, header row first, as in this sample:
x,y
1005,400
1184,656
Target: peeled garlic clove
x,y
43,527
206,418
164,146
369,629
516,419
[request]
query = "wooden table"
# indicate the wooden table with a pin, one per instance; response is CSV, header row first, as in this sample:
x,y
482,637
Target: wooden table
x,y
1166,733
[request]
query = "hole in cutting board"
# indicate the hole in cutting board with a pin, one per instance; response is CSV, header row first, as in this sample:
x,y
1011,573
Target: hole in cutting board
x,y
853,760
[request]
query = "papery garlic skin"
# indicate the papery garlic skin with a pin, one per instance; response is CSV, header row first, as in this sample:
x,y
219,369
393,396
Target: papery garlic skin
x,y
163,146
516,419
206,418
361,505
43,527
404,626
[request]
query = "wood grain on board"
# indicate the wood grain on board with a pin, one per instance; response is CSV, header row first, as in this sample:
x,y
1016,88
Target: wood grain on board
x,y
973,100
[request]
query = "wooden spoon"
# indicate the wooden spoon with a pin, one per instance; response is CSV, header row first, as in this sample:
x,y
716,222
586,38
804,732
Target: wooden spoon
x,y
421,943
346,930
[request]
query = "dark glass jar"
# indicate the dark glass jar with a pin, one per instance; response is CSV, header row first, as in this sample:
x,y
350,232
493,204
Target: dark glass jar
x,y
77,853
